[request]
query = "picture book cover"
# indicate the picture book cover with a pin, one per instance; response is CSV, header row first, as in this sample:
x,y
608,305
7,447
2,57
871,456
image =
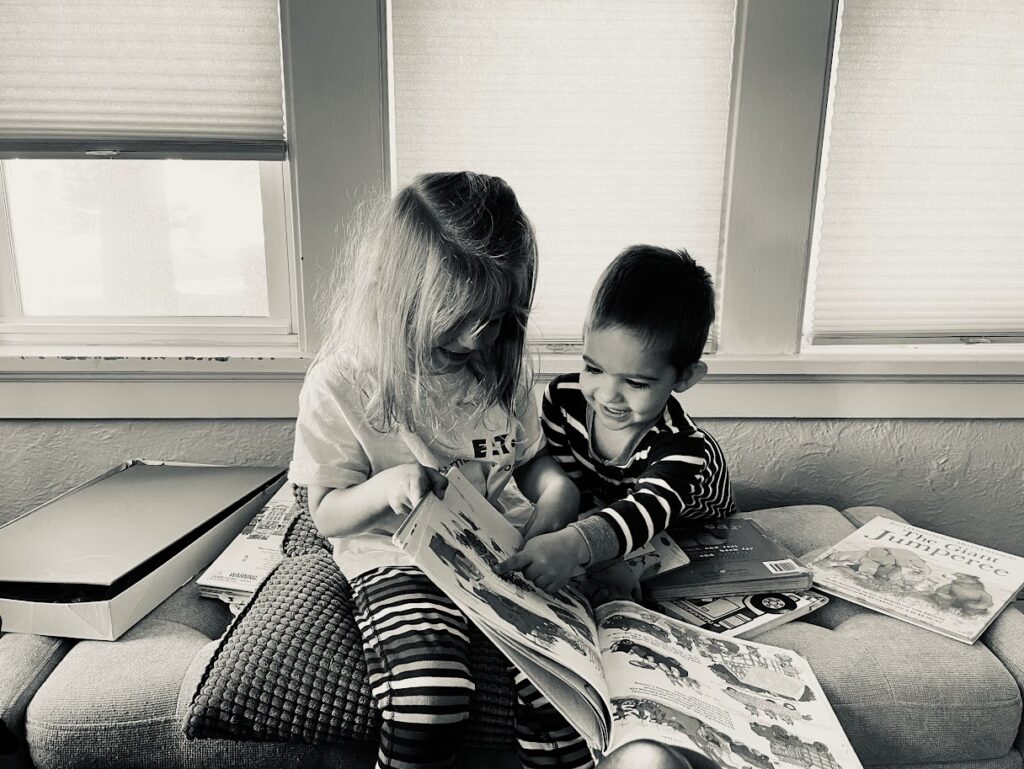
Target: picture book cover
x,y
931,580
622,672
743,616
731,557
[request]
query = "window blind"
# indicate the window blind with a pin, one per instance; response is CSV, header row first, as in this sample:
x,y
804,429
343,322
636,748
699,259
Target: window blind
x,y
608,118
921,214
150,78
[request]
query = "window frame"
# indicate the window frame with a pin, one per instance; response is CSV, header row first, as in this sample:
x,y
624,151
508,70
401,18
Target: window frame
x,y
339,148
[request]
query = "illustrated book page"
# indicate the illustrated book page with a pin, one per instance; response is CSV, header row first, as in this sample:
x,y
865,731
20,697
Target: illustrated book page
x,y
457,542
937,582
740,703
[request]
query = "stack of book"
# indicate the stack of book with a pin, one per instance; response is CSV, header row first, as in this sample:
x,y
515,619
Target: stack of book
x,y
236,573
739,581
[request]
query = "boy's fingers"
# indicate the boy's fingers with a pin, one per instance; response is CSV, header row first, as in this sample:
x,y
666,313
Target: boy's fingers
x,y
513,563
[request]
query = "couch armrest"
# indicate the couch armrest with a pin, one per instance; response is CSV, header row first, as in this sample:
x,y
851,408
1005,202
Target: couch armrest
x,y
1005,637
25,663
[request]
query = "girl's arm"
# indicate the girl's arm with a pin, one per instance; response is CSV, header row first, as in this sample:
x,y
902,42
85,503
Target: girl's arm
x,y
556,498
395,491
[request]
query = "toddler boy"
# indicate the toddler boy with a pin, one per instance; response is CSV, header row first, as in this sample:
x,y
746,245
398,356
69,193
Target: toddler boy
x,y
640,463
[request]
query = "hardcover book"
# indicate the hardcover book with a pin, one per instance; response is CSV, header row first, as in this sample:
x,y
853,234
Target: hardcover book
x,y
731,557
743,616
931,580
624,673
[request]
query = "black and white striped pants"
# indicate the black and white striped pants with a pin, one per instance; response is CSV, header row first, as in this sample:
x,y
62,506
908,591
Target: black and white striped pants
x,y
416,645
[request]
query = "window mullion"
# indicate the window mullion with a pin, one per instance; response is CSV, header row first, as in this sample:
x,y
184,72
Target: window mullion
x,y
781,78
10,297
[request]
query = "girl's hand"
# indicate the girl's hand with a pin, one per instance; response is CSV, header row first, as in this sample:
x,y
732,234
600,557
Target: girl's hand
x,y
405,485
549,560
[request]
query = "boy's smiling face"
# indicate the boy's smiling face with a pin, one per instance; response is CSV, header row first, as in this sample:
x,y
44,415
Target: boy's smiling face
x,y
624,381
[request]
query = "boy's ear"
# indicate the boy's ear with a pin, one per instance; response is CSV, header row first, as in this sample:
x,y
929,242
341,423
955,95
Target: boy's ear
x,y
690,376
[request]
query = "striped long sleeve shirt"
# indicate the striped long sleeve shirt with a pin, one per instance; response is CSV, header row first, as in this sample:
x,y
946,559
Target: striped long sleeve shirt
x,y
674,474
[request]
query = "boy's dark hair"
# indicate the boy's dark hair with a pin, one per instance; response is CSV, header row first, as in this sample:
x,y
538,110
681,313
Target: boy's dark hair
x,y
662,296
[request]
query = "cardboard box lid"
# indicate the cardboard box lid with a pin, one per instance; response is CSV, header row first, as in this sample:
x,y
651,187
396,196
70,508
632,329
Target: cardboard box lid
x,y
101,531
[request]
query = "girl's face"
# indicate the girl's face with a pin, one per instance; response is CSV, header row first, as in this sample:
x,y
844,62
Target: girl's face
x,y
455,348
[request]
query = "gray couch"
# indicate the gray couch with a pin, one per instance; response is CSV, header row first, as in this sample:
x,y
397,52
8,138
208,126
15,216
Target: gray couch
x,y
906,697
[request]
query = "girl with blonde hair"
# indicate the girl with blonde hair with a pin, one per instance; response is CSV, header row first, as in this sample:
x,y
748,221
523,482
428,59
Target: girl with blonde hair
x,y
422,369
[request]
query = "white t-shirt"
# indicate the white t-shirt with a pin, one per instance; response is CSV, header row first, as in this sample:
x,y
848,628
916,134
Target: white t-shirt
x,y
335,447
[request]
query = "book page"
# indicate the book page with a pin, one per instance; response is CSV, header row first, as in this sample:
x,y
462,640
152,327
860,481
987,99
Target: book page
x,y
457,542
740,703
940,583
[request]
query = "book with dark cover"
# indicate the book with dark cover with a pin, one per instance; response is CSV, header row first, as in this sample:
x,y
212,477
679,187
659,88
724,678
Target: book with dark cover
x,y
731,557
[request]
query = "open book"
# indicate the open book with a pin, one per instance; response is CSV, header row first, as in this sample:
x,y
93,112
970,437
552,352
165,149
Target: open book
x,y
625,673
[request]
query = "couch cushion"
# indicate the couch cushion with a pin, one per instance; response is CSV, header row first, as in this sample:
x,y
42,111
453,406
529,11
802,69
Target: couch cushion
x,y
25,663
905,695
290,669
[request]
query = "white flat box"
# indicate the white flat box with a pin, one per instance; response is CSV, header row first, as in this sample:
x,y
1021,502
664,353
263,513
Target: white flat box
x,y
95,560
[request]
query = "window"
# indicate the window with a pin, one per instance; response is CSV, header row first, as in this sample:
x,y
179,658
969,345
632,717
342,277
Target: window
x,y
142,197
921,222
609,119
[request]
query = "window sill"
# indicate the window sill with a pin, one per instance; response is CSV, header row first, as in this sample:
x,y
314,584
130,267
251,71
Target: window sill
x,y
894,383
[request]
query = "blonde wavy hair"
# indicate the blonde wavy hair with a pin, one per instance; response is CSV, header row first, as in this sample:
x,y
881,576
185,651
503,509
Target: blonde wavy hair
x,y
448,249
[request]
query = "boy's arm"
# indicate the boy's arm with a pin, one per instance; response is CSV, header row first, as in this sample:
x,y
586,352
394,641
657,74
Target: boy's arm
x,y
671,489
552,422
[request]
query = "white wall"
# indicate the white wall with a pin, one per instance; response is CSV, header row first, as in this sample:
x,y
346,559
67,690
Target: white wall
x,y
961,477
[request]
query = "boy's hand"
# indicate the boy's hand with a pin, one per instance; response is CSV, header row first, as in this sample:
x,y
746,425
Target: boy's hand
x,y
549,560
406,485
615,582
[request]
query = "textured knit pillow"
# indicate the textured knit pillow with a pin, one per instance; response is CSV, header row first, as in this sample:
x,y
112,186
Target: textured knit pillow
x,y
290,669
301,537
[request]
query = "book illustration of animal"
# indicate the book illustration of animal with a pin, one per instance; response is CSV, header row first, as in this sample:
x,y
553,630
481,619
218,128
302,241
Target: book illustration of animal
x,y
965,592
573,622
634,624
728,752
454,557
789,747
469,521
471,540
645,657
730,678
894,565
527,622
761,705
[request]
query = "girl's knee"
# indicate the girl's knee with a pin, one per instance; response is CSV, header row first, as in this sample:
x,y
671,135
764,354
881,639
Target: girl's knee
x,y
647,754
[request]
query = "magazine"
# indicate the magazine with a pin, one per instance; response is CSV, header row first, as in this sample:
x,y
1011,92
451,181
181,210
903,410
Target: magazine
x,y
731,557
743,616
236,573
625,673
931,580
